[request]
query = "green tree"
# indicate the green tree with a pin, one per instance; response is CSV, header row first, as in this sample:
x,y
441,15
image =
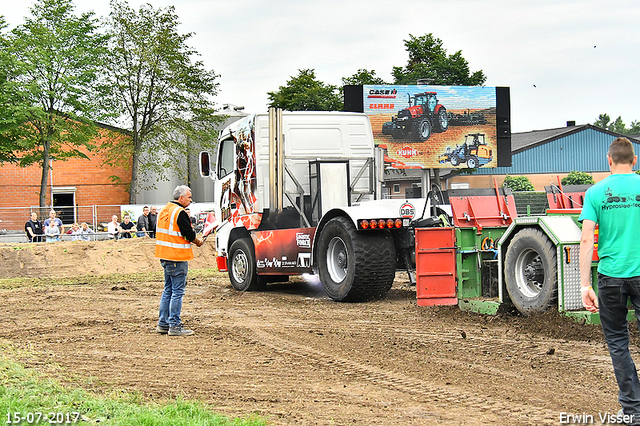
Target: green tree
x,y
11,106
618,126
518,183
361,77
429,60
152,83
57,57
305,93
577,178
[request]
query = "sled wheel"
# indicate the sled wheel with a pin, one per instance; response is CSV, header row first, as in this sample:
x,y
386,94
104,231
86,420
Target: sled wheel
x,y
242,266
355,266
531,271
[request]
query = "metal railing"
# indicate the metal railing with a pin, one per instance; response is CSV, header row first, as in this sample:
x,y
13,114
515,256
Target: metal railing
x,y
13,219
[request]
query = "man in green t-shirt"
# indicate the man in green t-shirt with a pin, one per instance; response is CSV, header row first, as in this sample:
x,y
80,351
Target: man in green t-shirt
x,y
614,205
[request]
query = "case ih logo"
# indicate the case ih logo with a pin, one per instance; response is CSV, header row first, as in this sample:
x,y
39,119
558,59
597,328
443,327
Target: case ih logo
x,y
303,240
407,210
383,93
407,152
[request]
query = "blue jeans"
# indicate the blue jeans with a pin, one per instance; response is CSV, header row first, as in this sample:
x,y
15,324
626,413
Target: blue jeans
x,y
613,294
175,281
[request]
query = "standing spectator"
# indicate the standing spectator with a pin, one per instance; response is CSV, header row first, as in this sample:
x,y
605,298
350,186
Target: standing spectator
x,y
34,229
112,227
191,218
75,232
52,232
85,232
153,220
58,222
618,265
126,227
143,222
173,248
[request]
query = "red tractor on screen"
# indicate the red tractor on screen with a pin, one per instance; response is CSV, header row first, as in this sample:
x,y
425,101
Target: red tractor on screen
x,y
424,116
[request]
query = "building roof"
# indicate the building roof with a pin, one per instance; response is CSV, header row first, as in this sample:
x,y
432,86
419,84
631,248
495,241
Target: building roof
x,y
527,140
391,175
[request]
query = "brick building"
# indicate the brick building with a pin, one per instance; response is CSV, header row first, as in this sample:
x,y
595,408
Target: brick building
x,y
74,187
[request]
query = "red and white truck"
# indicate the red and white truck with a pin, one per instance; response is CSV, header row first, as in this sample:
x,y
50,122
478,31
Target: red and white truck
x,y
296,193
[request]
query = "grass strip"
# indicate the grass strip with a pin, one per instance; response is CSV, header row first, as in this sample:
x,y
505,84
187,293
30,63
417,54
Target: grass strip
x,y
25,393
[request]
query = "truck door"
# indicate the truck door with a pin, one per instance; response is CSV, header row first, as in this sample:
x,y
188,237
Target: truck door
x,y
225,178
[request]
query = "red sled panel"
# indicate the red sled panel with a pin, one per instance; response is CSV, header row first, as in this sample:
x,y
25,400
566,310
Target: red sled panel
x,y
436,266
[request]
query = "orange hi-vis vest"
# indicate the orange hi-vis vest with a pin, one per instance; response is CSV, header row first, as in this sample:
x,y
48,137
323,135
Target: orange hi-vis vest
x,y
170,244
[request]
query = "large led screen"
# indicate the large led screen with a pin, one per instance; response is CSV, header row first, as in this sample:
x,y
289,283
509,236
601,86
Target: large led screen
x,y
434,126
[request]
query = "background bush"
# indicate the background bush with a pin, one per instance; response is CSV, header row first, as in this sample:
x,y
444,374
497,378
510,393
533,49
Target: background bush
x,y
518,183
577,178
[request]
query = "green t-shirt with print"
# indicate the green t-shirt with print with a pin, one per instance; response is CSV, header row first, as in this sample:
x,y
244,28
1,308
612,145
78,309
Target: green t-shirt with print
x,y
614,204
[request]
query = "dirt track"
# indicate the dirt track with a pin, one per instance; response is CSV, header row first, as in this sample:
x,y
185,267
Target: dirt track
x,y
292,355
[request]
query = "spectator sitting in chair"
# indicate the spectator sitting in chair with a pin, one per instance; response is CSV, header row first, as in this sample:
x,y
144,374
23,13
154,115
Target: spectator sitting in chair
x,y
85,232
126,227
75,232
58,222
52,232
112,227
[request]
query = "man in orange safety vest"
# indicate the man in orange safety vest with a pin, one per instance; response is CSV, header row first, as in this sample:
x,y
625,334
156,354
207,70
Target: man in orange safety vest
x,y
174,235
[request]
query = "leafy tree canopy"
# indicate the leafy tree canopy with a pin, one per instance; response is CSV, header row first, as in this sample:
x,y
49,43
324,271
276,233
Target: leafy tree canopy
x,y
618,126
152,84
362,76
10,109
305,93
429,60
56,57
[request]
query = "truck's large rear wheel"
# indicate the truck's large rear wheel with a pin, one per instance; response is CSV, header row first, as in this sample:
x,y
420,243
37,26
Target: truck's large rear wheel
x,y
355,266
242,266
531,271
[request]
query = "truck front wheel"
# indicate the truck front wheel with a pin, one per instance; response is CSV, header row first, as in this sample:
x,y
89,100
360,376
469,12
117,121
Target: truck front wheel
x,y
355,266
531,271
242,266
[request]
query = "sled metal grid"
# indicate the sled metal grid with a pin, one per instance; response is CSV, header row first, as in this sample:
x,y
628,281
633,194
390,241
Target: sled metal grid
x,y
570,276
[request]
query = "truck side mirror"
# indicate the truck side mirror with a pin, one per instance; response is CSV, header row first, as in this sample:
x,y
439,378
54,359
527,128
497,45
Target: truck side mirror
x,y
205,164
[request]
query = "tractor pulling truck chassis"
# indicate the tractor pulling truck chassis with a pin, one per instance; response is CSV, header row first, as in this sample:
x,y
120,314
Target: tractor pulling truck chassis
x,y
488,258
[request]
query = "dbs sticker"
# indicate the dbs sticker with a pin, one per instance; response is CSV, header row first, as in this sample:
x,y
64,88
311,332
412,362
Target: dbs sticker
x,y
407,211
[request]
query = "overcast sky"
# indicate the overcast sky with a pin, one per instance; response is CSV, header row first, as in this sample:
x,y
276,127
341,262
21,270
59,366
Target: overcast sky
x,y
563,59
